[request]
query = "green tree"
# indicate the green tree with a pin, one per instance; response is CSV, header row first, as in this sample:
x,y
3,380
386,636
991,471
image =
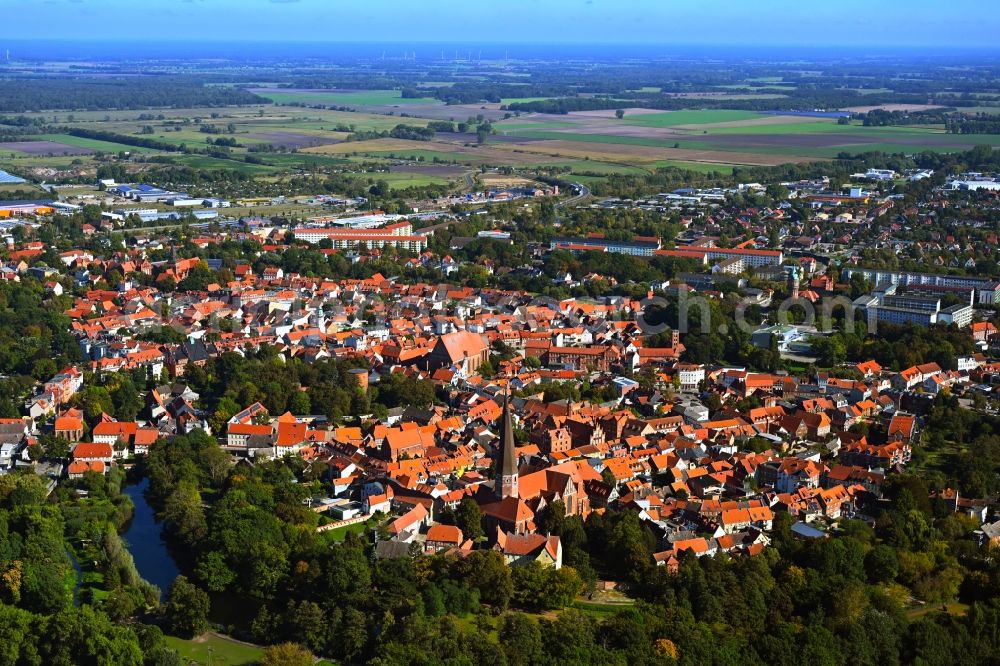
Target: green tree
x,y
286,654
186,609
881,564
184,514
214,573
521,639
469,519
486,571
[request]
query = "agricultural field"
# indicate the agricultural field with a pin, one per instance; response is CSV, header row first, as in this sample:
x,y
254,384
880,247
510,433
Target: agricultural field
x,y
590,144
206,162
93,144
350,98
722,137
41,147
682,118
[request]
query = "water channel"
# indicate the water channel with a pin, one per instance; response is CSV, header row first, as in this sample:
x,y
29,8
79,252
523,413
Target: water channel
x,y
143,536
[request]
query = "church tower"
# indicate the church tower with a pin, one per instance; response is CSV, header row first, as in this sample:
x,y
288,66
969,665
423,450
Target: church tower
x,y
793,282
505,471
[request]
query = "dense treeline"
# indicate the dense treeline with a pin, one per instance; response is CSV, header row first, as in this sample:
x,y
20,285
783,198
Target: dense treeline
x,y
985,124
19,95
883,118
960,447
46,617
35,342
232,382
115,137
897,347
800,100
18,195
401,131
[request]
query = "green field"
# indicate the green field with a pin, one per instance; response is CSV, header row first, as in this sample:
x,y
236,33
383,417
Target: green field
x,y
222,651
700,167
206,162
400,181
522,100
642,142
340,533
597,167
329,119
849,138
764,86
359,98
61,162
301,160
596,138
823,125
513,125
675,118
586,174
427,155
599,611
93,144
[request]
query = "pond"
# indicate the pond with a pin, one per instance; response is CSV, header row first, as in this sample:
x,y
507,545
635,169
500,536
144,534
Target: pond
x,y
145,541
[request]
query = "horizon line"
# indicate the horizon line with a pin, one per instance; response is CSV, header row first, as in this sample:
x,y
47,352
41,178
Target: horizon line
x,y
993,46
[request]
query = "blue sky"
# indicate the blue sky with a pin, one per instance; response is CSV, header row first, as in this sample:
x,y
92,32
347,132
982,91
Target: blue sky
x,y
870,23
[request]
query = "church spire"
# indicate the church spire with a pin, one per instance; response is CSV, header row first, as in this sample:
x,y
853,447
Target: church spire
x,y
505,476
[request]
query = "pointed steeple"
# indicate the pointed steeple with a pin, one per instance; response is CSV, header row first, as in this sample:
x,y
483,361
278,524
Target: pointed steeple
x,y
505,477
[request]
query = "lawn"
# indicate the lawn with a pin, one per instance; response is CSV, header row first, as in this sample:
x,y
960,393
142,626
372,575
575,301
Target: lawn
x,y
599,611
340,533
222,651
958,609
354,98
402,180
